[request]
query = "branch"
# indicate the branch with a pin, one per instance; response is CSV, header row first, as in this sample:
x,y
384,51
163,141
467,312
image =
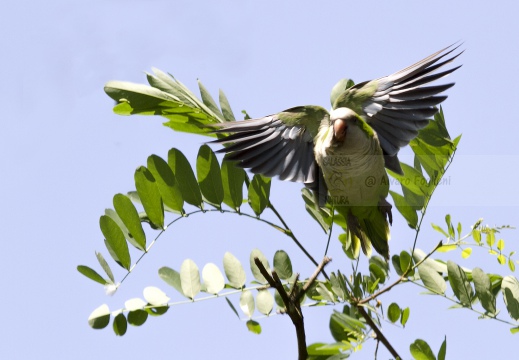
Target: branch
x,y
292,304
289,233
377,331
403,277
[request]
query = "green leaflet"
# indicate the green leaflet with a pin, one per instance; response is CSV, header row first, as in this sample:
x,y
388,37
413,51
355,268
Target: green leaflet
x,y
226,107
120,324
460,284
169,189
393,312
234,271
233,178
412,180
171,277
421,350
264,302
185,177
484,290
209,176
407,211
92,274
282,265
100,317
155,296
105,266
255,270
209,101
213,278
130,218
510,289
149,195
321,215
247,303
431,279
190,278
345,328
259,193
254,327
116,241
405,316
137,317
167,97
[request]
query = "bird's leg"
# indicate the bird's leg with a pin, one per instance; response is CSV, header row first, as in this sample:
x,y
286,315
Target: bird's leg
x,y
385,208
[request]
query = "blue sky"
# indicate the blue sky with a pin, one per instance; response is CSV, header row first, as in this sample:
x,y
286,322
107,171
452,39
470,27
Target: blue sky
x,y
65,154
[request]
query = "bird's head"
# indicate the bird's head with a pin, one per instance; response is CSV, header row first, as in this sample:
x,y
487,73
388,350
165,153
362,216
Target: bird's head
x,y
346,123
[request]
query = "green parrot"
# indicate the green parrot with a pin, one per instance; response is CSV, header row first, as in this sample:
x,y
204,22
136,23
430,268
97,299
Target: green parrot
x,y
341,155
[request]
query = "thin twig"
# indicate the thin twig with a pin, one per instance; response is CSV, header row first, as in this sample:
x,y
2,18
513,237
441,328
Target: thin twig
x,y
312,278
403,277
292,304
377,331
290,233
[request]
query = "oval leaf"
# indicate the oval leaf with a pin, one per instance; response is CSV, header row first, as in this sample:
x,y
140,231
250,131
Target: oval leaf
x,y
185,177
234,271
226,108
431,279
105,266
408,212
484,290
393,312
255,270
213,278
134,304
120,325
137,317
91,274
190,278
421,350
115,239
282,265
209,176
130,218
100,317
247,303
259,193
510,289
155,296
405,316
459,283
254,327
466,253
149,194
171,277
233,178
264,302
166,183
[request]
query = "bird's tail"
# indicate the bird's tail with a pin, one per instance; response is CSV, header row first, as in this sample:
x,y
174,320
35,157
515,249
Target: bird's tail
x,y
367,231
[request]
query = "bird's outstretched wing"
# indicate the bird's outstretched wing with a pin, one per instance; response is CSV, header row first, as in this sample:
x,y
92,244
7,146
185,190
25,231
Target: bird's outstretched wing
x,y
398,105
280,144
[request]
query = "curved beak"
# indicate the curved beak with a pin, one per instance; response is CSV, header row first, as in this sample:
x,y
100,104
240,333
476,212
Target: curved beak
x,y
339,130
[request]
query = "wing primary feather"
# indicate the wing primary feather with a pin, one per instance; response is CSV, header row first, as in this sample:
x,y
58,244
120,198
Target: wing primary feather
x,y
419,92
415,103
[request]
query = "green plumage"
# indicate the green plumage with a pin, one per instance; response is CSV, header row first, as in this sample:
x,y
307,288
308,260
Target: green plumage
x,y
342,155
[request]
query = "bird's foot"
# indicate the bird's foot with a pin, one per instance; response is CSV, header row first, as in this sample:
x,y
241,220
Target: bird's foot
x,y
385,208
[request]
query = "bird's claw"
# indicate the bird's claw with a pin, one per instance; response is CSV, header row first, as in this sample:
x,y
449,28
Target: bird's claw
x,y
385,208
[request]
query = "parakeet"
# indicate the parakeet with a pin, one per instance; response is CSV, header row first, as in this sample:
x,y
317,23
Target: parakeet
x,y
341,155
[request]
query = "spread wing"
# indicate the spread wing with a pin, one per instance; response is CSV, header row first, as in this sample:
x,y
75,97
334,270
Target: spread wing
x,y
398,105
269,146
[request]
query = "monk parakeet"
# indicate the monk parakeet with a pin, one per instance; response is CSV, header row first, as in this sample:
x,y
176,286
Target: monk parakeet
x,y
341,155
